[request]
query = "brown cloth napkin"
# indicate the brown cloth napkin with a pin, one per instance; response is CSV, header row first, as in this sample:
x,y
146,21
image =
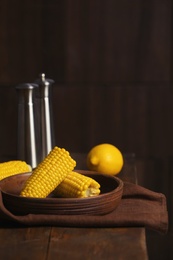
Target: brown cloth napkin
x,y
139,207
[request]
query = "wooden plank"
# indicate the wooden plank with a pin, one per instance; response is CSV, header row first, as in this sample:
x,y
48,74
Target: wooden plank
x,y
24,243
102,243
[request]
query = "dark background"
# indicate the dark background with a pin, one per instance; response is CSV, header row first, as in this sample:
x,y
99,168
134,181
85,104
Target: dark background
x,y
112,65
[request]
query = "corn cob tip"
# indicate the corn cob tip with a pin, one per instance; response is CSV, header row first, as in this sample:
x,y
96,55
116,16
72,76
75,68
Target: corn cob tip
x,y
77,185
11,168
29,168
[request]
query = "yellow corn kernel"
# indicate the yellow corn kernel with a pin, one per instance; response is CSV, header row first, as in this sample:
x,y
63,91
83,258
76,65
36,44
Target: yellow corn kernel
x,y
76,185
48,174
13,167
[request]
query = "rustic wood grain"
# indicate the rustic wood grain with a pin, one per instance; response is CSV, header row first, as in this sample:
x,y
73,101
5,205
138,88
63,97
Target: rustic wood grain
x,y
99,243
72,243
24,243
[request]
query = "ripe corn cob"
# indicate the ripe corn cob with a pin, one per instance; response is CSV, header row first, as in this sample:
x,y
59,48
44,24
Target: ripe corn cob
x,y
13,167
76,185
48,174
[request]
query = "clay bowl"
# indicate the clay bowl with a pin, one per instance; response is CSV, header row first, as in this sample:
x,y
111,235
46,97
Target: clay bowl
x,y
106,202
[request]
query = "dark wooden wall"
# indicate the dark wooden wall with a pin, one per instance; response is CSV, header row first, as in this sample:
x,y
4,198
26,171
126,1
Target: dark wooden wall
x,y
112,66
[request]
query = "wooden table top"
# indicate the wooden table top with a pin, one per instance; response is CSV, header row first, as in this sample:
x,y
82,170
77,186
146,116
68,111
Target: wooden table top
x,y
52,242
72,243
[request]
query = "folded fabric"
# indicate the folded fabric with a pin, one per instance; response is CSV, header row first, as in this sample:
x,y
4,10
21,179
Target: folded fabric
x,y
139,207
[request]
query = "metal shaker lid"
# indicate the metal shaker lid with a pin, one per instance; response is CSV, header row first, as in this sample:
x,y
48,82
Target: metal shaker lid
x,y
25,92
44,84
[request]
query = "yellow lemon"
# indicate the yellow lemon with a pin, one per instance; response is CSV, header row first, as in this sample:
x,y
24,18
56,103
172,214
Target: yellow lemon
x,y
105,158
